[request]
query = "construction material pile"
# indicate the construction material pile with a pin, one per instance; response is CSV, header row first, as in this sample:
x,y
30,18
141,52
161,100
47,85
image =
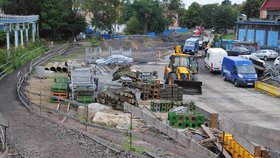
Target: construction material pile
x,y
171,92
83,85
116,97
59,88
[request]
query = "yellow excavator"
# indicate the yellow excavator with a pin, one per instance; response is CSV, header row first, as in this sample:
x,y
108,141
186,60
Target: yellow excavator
x,y
181,71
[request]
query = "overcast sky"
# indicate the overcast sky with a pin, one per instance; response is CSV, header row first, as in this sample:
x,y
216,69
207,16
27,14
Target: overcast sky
x,y
189,2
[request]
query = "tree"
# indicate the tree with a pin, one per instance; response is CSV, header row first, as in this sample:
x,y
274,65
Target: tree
x,y
105,13
252,8
208,11
183,19
59,19
226,2
21,7
194,15
150,15
224,18
171,8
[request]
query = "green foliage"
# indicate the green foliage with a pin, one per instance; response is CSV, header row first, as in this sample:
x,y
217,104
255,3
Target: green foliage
x,y
148,14
224,18
20,56
208,12
233,37
194,15
105,13
226,2
252,8
133,26
60,20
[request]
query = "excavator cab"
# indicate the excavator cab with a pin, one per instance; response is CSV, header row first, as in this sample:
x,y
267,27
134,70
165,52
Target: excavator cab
x,y
181,71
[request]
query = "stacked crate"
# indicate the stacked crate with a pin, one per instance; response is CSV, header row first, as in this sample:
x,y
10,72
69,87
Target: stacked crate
x,y
59,89
171,92
184,120
151,90
83,85
164,105
117,97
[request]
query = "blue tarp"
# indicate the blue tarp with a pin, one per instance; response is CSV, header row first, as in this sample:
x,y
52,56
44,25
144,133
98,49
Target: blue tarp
x,y
166,32
119,36
151,34
106,36
182,30
89,31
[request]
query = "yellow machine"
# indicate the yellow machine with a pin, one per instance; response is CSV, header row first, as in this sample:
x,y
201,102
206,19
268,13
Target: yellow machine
x,y
181,71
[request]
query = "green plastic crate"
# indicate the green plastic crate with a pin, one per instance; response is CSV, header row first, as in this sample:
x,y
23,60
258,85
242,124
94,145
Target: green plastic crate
x,y
61,79
85,99
59,87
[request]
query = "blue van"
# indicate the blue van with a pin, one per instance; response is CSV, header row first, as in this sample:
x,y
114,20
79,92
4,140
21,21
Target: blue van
x,y
191,46
238,70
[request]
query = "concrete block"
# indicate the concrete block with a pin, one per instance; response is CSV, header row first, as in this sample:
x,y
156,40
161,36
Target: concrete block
x,y
173,133
183,140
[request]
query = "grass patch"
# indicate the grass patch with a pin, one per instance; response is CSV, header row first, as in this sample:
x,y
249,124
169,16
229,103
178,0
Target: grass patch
x,y
133,147
229,37
46,110
66,57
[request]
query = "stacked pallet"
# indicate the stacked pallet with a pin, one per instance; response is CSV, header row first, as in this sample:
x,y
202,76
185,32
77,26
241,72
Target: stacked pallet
x,y
172,92
164,105
117,97
59,89
184,120
151,90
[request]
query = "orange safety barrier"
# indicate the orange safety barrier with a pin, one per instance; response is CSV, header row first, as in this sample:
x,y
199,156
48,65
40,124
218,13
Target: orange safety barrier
x,y
234,148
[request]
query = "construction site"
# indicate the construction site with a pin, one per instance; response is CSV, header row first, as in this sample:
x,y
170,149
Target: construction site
x,y
143,109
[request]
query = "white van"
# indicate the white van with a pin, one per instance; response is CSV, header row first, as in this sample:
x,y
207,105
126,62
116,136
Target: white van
x,y
213,59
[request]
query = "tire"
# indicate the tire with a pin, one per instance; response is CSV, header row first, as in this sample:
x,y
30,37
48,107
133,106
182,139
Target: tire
x,y
171,78
265,58
235,83
224,78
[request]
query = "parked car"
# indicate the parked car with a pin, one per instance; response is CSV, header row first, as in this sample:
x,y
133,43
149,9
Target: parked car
x,y
277,61
213,59
256,60
238,51
239,71
266,54
114,60
113,57
275,48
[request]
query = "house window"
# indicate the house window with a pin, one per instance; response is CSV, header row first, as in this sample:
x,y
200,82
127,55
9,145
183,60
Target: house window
x,y
268,16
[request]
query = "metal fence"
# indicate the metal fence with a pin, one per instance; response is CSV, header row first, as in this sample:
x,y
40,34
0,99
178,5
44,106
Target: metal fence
x,y
5,68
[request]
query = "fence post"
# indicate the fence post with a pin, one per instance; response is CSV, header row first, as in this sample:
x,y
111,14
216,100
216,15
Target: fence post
x,y
86,117
40,95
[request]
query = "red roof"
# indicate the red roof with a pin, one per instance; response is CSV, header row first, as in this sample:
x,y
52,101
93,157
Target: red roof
x,y
271,5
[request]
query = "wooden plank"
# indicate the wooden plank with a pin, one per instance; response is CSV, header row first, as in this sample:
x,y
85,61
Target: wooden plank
x,y
211,136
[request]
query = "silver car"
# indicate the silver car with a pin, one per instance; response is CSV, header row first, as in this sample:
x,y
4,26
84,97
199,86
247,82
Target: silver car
x,y
266,54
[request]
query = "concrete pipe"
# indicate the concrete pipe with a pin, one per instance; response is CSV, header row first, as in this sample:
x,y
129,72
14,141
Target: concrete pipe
x,y
54,66
59,67
63,67
48,66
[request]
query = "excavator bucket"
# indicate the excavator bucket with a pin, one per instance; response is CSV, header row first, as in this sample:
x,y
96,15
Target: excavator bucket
x,y
190,87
